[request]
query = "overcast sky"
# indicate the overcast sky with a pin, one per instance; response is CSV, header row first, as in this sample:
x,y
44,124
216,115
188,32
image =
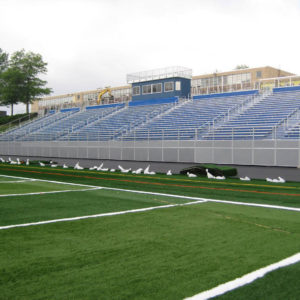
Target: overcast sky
x,y
94,43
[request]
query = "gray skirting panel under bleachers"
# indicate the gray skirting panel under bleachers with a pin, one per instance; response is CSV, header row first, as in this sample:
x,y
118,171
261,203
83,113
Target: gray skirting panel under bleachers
x,y
255,152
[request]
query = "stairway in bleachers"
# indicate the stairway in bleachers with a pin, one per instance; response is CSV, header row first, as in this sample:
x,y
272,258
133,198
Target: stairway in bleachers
x,y
292,131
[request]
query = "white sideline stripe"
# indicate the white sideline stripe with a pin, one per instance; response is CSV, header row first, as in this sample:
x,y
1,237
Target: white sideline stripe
x,y
16,181
246,279
255,204
9,176
51,181
210,200
170,195
157,194
51,192
100,215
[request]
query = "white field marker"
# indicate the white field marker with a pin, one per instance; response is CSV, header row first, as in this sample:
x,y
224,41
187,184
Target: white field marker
x,y
246,279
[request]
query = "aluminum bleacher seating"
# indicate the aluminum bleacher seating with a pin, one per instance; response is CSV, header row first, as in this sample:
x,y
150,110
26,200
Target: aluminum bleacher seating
x,y
56,125
208,117
187,120
115,125
32,127
259,121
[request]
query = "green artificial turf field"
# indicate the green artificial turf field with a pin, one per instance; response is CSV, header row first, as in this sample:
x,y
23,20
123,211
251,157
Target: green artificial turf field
x,y
165,253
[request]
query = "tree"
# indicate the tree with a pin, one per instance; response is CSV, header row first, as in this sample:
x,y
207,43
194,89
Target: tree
x,y
3,67
19,78
3,61
239,67
11,87
31,66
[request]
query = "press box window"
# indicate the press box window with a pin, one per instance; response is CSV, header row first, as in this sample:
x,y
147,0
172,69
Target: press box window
x,y
169,86
136,90
258,74
147,89
178,85
157,88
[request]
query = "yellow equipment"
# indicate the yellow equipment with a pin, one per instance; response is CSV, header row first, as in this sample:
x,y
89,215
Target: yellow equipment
x,y
103,92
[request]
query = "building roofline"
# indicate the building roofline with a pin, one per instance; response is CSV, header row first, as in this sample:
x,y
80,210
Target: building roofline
x,y
84,92
239,71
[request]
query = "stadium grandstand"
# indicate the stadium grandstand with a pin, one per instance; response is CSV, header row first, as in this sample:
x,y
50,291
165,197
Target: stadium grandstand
x,y
246,116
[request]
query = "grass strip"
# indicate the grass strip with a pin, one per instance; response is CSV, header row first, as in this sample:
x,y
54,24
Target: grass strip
x,y
166,254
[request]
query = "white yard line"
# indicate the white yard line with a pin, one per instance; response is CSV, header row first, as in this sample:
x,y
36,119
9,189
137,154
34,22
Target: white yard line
x,y
99,215
246,279
51,192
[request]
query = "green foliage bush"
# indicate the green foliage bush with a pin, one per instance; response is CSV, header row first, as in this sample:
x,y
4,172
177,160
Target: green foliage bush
x,y
215,170
24,117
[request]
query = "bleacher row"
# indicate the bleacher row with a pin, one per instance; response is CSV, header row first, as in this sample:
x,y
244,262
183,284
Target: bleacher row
x,y
240,115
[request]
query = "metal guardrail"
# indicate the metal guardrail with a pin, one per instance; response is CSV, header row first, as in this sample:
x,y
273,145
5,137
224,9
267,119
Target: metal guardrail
x,y
17,123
